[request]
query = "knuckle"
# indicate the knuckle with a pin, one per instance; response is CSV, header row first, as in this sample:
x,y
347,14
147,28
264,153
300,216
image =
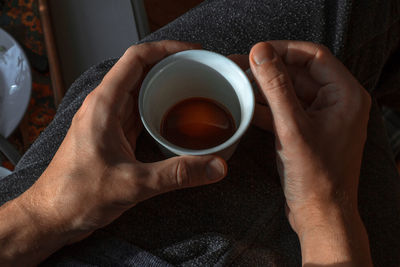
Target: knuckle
x,y
133,53
95,100
100,101
182,177
80,114
357,106
136,177
131,49
322,50
130,184
89,99
164,42
88,114
322,53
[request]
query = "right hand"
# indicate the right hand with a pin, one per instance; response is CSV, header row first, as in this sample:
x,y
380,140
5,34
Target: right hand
x,y
320,114
95,177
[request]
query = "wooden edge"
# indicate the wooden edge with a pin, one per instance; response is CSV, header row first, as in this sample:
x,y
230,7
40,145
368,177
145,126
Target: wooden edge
x,y
52,54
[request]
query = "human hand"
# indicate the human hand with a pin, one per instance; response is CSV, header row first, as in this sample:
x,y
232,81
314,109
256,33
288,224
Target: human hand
x,y
94,176
262,117
320,114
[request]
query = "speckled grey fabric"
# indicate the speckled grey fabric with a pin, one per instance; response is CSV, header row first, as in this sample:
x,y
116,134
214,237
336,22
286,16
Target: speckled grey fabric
x,y
240,221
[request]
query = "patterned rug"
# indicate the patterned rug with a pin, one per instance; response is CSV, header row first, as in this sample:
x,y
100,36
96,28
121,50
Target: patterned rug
x,y
20,18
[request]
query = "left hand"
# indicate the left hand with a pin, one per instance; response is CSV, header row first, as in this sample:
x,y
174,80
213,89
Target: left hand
x,y
320,116
94,176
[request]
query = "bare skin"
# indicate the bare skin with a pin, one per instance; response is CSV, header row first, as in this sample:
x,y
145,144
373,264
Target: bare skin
x,y
319,116
94,176
316,109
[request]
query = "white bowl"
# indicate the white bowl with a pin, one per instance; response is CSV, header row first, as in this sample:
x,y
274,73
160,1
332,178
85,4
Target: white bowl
x,y
15,84
4,172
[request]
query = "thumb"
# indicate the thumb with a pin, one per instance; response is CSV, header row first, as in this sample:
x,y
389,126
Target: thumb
x,y
275,83
185,171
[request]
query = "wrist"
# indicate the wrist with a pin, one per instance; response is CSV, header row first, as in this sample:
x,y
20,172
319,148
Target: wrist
x,y
25,237
48,219
319,215
332,233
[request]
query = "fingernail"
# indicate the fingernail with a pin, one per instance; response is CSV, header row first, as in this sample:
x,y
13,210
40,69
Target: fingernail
x,y
263,53
215,169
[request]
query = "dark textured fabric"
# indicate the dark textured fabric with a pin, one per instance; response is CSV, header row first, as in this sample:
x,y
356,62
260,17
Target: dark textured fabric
x,y
240,221
392,124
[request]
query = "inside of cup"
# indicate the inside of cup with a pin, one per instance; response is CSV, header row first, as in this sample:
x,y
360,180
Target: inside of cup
x,y
195,73
183,80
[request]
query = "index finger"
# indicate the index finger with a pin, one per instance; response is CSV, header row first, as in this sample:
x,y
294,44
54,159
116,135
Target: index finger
x,y
322,65
130,68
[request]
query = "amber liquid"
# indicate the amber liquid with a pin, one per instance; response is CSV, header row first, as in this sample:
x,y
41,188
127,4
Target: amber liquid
x,y
197,123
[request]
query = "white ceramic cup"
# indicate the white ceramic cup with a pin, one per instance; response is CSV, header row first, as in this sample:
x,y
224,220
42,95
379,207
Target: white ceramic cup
x,y
196,73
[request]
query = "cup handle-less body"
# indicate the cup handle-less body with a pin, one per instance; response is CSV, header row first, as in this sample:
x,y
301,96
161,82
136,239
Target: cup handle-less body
x,y
225,154
196,73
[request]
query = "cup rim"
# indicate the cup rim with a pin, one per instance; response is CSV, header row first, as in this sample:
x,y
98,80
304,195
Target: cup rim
x,y
195,54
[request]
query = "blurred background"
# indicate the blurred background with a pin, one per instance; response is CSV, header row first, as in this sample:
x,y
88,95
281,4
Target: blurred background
x,y
60,39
